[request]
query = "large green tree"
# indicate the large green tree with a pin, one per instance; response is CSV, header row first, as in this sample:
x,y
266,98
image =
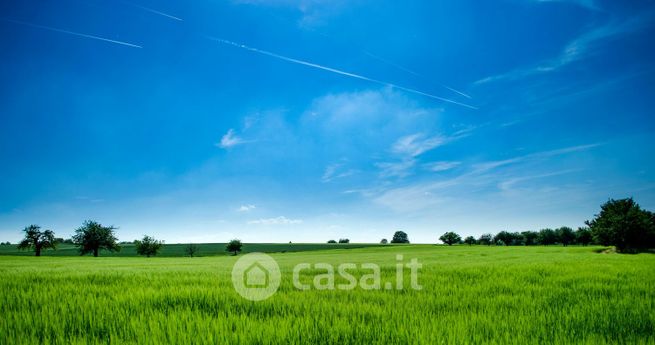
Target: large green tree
x,y
92,236
450,238
234,246
148,246
400,237
37,239
623,224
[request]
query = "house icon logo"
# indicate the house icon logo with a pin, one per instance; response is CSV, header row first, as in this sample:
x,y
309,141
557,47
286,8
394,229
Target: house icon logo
x,y
256,276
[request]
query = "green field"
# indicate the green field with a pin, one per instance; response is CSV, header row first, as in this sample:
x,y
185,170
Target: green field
x,y
204,249
478,294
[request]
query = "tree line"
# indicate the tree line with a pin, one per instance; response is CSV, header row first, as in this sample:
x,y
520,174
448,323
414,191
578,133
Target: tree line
x,y
92,237
621,223
564,236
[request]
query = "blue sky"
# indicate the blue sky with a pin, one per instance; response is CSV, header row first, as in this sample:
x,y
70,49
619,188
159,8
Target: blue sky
x,y
276,121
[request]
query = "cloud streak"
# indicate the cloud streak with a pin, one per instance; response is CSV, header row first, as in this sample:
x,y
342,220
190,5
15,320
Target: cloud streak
x,y
281,220
73,33
230,139
147,9
544,154
577,49
340,72
405,69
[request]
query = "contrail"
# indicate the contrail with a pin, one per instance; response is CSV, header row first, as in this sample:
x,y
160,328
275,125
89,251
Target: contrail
x,y
152,11
333,70
72,33
393,64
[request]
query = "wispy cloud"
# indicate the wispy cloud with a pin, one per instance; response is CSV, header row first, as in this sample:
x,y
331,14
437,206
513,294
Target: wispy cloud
x,y
507,185
246,208
416,144
577,49
396,169
335,171
408,147
485,166
230,139
281,220
441,166
428,194
72,33
340,72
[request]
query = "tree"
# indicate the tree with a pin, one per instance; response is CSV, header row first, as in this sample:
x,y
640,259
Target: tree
x,y
450,238
583,236
91,237
547,236
623,224
234,246
384,241
332,241
400,237
37,239
469,240
344,240
191,249
148,246
530,237
566,235
486,239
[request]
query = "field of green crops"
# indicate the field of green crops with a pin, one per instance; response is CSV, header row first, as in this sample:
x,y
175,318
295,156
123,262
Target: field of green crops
x,y
478,294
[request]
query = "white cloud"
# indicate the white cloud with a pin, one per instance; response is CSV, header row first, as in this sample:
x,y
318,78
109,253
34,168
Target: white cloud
x,y
356,124
246,208
396,169
480,167
441,166
425,195
411,146
416,144
230,139
506,185
334,171
578,49
281,220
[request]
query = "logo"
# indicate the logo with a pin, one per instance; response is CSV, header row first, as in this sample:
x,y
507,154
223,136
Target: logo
x,y
256,276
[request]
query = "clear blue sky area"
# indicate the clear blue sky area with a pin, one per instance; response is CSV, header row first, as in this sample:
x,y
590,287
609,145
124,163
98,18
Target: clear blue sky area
x,y
281,120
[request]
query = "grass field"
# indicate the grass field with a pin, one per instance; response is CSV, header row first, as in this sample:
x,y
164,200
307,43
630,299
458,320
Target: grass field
x,y
204,249
497,295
